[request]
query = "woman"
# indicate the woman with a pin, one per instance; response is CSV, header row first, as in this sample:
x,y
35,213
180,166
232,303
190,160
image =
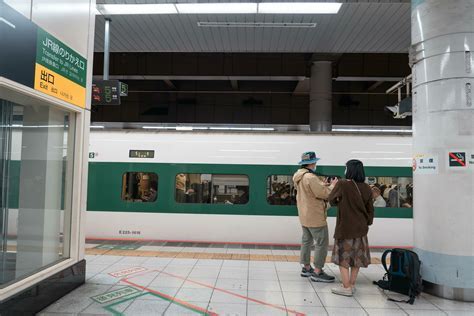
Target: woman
x,y
355,213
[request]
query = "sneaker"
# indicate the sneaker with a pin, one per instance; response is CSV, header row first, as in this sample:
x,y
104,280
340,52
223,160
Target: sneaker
x,y
305,273
341,290
322,277
353,289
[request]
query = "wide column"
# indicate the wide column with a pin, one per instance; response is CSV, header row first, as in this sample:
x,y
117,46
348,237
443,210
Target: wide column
x,y
320,97
443,144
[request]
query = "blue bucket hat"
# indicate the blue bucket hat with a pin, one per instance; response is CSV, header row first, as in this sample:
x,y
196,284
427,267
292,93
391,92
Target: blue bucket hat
x,y
308,158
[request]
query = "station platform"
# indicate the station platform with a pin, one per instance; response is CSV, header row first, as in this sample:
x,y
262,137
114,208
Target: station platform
x,y
174,278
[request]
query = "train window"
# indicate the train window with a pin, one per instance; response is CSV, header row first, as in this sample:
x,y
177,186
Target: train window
x,y
212,188
280,190
139,187
392,191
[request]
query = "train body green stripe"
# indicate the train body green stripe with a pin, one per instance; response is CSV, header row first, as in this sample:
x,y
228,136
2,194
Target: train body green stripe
x,y
105,182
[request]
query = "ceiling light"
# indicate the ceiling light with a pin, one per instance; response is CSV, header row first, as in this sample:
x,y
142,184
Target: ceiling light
x,y
257,24
219,128
184,128
124,9
263,129
240,128
299,7
217,8
97,126
158,127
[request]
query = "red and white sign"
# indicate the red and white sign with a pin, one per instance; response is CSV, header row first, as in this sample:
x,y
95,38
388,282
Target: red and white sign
x,y
425,164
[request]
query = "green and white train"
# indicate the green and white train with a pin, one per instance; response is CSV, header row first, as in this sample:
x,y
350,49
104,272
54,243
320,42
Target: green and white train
x,y
233,186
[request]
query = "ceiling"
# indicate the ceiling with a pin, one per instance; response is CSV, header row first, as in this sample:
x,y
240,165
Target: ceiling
x,y
370,26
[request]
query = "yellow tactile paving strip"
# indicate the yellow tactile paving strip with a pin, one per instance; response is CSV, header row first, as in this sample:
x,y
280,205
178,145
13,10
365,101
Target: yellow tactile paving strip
x,y
200,255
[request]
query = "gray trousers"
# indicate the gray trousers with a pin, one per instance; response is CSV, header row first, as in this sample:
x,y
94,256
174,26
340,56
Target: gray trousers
x,y
319,236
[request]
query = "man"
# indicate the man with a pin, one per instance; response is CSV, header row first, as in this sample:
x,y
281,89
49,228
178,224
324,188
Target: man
x,y
311,197
242,195
378,199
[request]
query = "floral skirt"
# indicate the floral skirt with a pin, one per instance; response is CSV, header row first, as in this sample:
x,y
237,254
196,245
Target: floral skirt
x,y
351,252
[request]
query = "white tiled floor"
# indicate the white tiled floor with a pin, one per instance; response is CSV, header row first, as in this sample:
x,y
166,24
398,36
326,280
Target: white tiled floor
x,y
234,287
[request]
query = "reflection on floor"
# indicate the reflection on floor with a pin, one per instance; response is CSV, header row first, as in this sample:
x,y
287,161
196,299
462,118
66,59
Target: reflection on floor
x,y
178,285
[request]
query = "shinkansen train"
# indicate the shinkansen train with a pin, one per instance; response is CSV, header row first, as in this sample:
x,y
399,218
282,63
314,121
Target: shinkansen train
x,y
234,186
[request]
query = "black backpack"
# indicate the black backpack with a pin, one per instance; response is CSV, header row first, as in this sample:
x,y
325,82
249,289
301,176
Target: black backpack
x,y
403,276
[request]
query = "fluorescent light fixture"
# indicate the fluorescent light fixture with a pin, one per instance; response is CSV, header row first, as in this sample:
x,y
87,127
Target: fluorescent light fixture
x,y
263,129
219,128
40,126
299,7
184,128
7,23
158,127
200,127
124,9
257,24
97,126
217,8
240,128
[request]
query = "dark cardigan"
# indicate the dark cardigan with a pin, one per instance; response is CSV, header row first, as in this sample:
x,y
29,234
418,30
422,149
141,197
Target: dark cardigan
x,y
355,210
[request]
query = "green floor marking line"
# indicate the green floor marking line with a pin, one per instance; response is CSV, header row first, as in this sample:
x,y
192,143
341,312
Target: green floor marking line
x,y
105,247
113,295
118,247
127,247
178,303
173,300
113,311
110,308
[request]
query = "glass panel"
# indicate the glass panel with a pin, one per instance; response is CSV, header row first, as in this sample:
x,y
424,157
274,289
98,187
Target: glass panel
x,y
212,188
139,187
280,190
37,145
392,191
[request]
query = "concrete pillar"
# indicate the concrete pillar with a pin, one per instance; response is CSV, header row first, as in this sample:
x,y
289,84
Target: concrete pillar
x,y
443,134
320,97
41,189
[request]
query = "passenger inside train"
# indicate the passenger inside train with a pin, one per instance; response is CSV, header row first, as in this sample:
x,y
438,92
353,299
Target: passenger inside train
x,y
378,199
139,187
242,196
280,190
212,188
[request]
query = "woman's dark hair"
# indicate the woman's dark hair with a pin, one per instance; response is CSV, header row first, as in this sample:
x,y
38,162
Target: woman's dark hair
x,y
355,171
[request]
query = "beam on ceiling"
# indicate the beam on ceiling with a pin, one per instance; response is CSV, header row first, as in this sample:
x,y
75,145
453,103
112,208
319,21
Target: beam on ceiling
x,y
169,84
197,78
302,87
341,78
235,85
375,85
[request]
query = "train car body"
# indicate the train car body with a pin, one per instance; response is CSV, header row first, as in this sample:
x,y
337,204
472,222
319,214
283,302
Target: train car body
x,y
187,186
